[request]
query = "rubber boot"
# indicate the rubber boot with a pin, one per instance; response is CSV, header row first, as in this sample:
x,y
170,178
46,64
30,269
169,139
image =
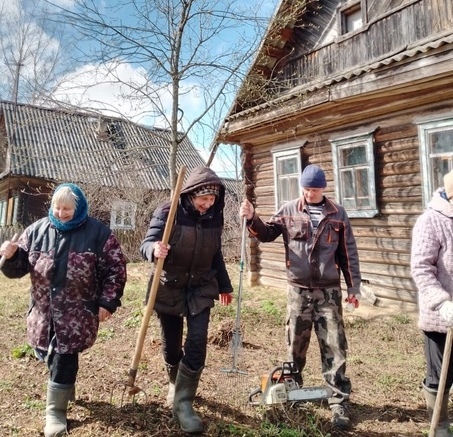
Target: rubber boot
x,y
172,371
186,385
443,428
58,396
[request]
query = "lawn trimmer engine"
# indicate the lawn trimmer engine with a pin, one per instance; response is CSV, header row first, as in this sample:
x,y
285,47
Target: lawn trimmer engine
x,y
283,385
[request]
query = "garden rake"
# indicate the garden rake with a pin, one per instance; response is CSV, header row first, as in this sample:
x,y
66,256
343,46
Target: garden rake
x,y
236,341
130,386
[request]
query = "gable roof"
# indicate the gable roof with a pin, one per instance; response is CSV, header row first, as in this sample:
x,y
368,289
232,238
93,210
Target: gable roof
x,y
86,147
309,30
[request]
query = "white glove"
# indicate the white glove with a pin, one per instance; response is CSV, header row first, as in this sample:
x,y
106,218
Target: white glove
x,y
446,312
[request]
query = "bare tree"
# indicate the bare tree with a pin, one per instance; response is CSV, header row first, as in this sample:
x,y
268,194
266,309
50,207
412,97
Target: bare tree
x,y
31,54
184,52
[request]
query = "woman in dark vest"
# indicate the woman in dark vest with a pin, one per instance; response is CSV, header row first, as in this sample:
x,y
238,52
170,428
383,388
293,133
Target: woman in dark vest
x,y
193,277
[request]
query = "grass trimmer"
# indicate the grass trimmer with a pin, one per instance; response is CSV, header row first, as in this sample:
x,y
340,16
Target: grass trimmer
x,y
129,385
283,385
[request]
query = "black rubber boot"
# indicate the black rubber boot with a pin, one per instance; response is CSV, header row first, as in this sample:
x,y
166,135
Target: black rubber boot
x,y
443,428
186,385
58,396
172,371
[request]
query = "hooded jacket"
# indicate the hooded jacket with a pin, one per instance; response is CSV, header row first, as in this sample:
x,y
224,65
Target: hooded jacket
x,y
313,260
432,261
194,270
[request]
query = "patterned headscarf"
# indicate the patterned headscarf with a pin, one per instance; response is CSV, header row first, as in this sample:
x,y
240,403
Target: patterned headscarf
x,y
81,211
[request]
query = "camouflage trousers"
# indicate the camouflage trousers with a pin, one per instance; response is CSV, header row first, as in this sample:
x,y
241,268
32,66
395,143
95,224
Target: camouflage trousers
x,y
321,309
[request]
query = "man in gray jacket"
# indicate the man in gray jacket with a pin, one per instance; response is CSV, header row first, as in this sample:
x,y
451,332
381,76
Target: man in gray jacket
x,y
318,244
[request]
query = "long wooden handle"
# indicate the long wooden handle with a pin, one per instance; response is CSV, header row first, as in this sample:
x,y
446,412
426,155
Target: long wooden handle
x,y
3,258
155,283
442,382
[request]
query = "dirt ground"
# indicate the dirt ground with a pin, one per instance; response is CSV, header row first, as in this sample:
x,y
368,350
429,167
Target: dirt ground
x,y
385,365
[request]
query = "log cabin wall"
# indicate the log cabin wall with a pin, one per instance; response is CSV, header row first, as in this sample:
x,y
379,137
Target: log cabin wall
x,y
384,242
391,73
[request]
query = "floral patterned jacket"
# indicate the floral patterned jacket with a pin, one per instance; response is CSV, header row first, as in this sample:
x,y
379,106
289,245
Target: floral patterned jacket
x,y
72,274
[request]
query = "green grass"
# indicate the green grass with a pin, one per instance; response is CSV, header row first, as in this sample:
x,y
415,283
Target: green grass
x,y
22,351
385,359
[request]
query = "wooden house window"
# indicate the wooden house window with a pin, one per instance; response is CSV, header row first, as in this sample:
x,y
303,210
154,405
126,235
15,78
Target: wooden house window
x,y
351,17
436,154
287,168
354,174
9,211
123,215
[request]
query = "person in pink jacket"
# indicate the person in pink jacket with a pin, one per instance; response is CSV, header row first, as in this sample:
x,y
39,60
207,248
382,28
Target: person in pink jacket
x,y
432,271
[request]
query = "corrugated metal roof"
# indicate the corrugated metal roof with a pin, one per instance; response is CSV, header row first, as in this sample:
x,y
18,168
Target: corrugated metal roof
x,y
84,147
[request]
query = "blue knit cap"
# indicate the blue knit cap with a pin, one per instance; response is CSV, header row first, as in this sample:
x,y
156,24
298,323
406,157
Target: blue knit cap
x,y
80,213
313,177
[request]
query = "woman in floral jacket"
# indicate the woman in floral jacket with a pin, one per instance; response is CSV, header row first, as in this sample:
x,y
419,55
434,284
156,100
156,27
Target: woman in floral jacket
x,y
78,274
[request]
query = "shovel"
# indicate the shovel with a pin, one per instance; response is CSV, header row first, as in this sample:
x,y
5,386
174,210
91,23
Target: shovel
x,y
130,384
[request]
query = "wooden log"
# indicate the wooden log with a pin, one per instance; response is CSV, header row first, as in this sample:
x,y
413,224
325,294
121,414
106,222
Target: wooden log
x,y
395,208
389,281
381,231
384,245
395,145
273,281
399,156
406,180
275,268
385,270
404,220
404,194
391,258
399,168
396,294
402,128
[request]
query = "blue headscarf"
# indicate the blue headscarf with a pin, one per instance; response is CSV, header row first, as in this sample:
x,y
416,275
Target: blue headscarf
x,y
80,213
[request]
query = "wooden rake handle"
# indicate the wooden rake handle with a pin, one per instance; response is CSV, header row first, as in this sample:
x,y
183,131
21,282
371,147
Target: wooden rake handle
x,y
442,383
3,258
154,286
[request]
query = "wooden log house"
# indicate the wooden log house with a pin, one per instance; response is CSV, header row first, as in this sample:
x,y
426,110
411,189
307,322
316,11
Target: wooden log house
x,y
364,89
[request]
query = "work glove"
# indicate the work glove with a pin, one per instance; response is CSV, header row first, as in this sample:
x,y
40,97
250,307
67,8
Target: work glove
x,y
352,302
446,312
226,298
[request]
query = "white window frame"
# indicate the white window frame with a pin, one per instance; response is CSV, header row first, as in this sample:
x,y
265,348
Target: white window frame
x,y
288,151
338,146
118,215
429,182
